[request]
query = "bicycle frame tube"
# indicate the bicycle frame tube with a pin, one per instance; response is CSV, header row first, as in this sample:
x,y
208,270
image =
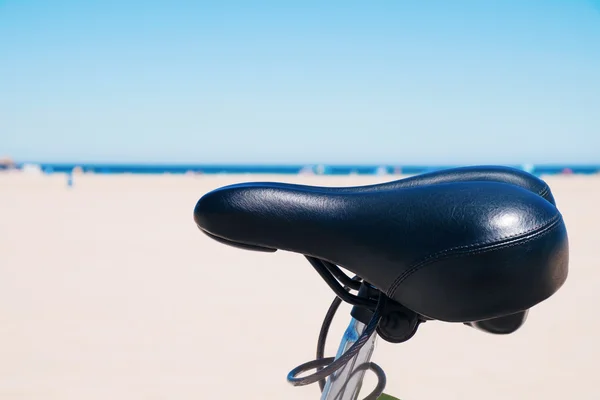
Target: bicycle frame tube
x,y
346,382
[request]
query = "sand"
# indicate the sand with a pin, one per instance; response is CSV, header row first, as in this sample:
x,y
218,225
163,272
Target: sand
x,y
108,290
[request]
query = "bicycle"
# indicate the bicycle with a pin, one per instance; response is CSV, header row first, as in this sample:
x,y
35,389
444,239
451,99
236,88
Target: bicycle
x,y
479,246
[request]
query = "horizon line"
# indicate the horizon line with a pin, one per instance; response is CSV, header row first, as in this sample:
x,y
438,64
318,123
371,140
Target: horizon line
x,y
297,164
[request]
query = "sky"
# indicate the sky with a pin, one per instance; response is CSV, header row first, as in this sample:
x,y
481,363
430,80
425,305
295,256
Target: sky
x,y
414,81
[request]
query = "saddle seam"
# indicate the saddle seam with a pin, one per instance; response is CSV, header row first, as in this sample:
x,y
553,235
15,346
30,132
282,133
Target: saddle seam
x,y
497,241
456,251
544,191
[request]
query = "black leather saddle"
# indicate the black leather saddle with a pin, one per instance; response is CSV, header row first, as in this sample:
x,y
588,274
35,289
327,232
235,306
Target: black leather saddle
x,y
459,245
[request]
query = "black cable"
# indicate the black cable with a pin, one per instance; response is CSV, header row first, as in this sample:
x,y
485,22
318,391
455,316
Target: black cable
x,y
323,334
341,276
327,366
337,288
327,324
343,359
381,379
381,382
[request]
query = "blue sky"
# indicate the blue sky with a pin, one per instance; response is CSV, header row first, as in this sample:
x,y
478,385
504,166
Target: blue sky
x,y
421,81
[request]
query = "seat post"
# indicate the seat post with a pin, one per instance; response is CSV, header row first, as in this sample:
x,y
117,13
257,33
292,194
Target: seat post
x,y
346,382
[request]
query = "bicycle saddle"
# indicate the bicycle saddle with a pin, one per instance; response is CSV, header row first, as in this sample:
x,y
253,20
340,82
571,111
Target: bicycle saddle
x,y
458,245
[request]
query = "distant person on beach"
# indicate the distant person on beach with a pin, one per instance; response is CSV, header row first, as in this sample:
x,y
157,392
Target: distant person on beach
x,y
75,171
7,163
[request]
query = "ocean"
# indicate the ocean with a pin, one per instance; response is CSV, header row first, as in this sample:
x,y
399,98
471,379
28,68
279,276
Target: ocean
x,y
321,169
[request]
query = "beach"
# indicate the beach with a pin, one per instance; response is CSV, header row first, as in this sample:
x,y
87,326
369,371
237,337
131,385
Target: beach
x,y
109,290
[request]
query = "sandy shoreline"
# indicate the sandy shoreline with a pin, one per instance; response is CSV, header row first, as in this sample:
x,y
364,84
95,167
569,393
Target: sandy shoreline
x,y
108,290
